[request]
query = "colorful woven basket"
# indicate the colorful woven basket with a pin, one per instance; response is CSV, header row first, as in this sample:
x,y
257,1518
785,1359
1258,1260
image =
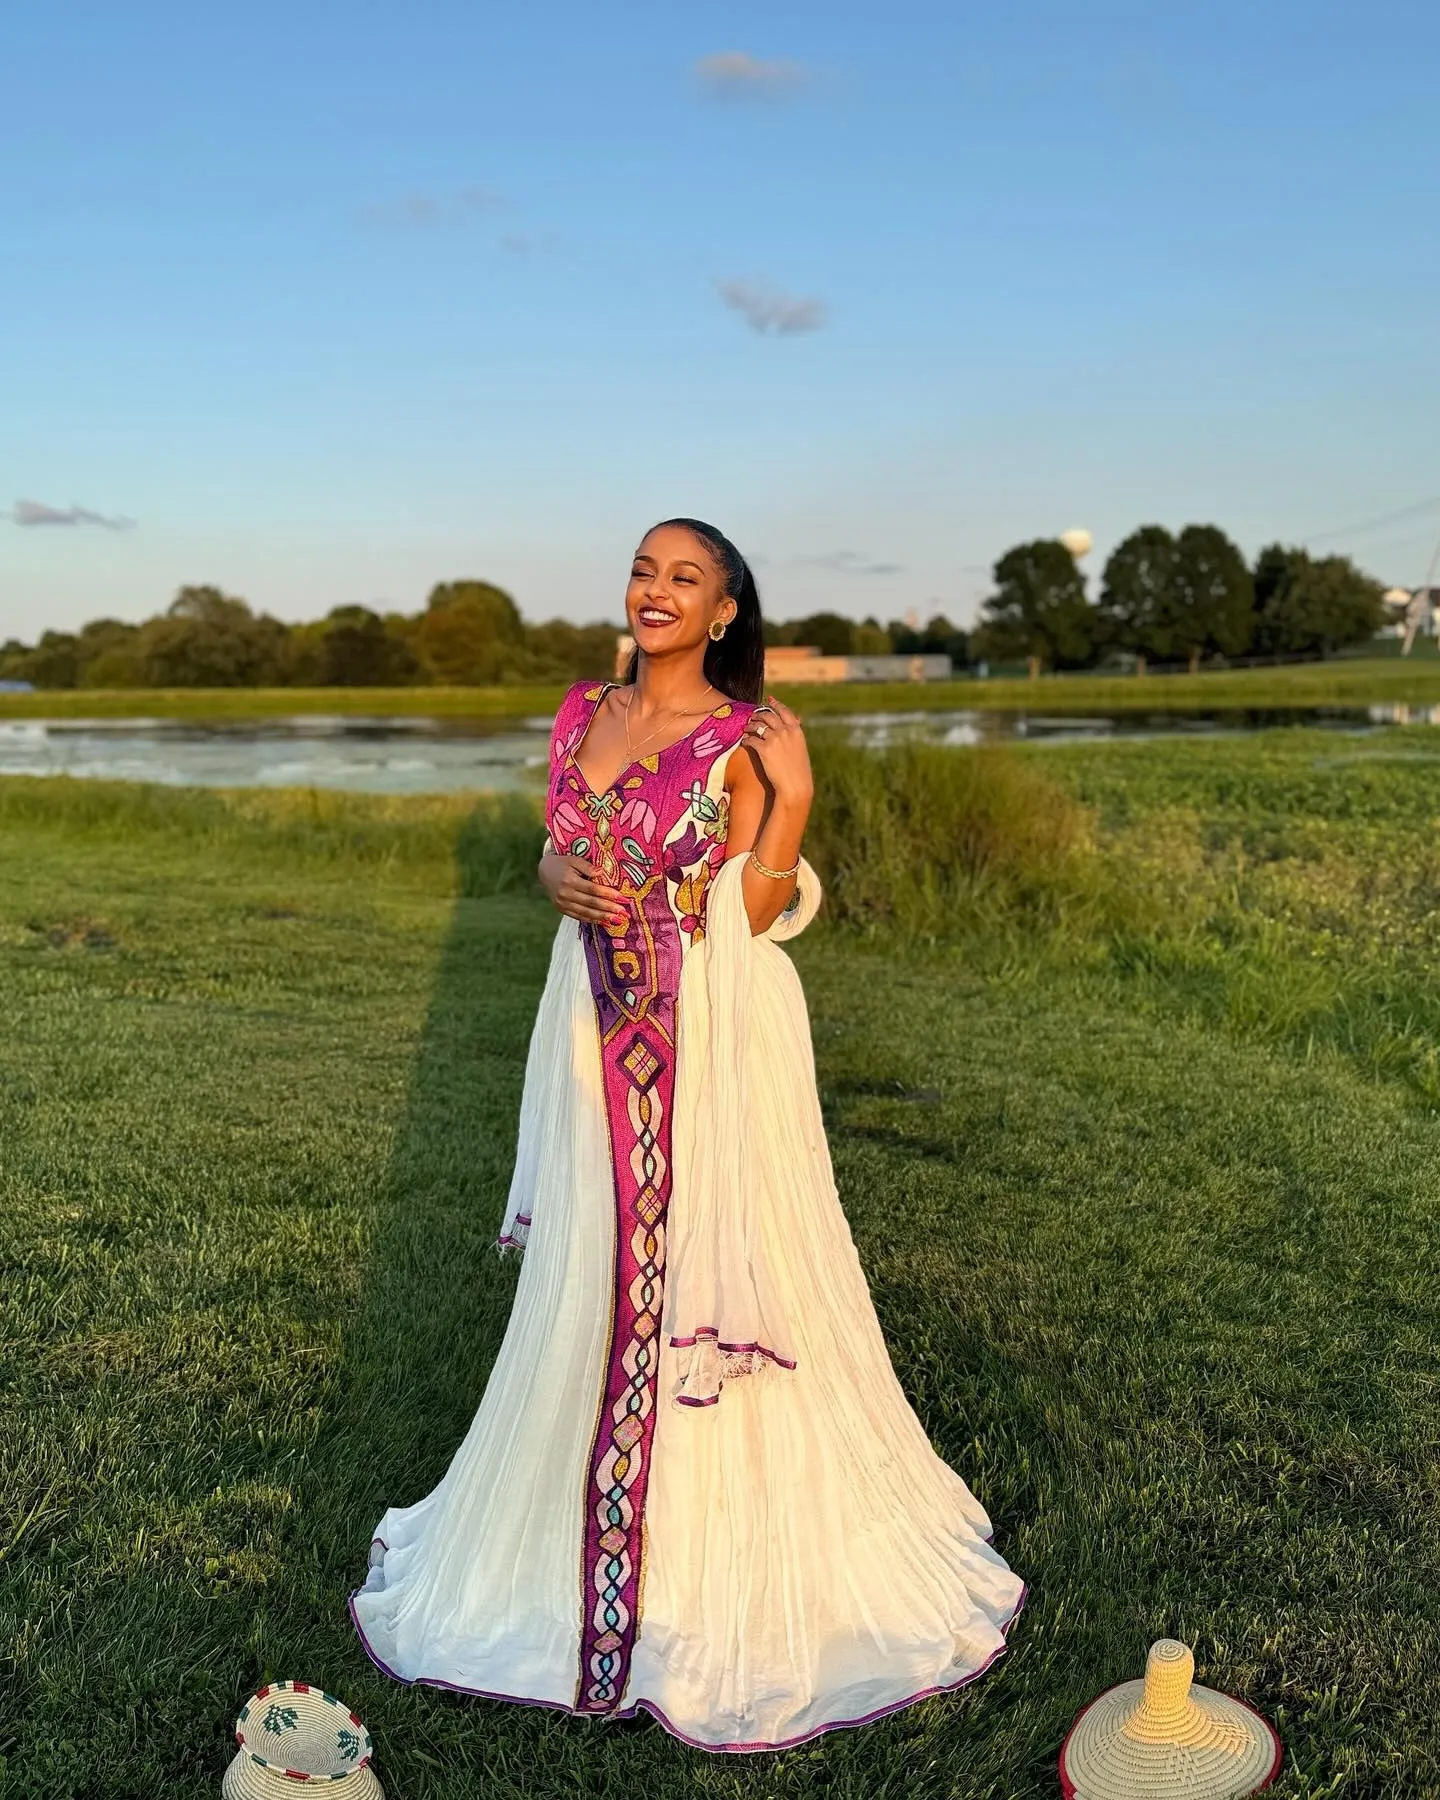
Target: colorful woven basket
x,y
1163,1738
291,1734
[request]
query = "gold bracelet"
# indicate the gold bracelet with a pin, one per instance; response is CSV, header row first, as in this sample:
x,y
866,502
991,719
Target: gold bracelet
x,y
775,874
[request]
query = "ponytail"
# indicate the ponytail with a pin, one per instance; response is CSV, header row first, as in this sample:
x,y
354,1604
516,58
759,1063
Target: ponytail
x,y
735,664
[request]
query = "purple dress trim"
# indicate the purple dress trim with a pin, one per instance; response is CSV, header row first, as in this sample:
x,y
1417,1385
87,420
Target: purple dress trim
x,y
710,1334
629,1712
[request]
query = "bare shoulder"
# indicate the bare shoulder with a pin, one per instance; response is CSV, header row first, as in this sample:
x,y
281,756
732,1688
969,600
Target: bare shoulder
x,y
743,773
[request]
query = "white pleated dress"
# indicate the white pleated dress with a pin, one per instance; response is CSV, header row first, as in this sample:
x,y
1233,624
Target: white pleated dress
x,y
693,1484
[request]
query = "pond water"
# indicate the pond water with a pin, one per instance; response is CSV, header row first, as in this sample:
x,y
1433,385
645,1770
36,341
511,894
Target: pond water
x,y
441,755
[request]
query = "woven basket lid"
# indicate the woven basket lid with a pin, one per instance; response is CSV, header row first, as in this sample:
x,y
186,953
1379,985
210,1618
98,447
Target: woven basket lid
x,y
303,1735
1164,1738
247,1779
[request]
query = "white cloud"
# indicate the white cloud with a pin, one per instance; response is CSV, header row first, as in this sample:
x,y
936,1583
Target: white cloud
x,y
527,243
771,312
850,562
418,211
736,75
35,512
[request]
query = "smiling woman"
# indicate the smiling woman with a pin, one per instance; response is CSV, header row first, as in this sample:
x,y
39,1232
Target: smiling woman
x,y
682,558
693,1398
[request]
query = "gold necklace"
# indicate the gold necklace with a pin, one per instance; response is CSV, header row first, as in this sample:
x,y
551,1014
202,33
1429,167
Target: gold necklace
x,y
674,713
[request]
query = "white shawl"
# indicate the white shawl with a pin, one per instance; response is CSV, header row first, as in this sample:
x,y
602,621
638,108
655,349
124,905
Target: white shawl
x,y
721,1314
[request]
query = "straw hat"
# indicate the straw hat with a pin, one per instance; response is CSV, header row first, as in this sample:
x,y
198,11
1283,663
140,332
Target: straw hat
x,y
1165,1739
291,1733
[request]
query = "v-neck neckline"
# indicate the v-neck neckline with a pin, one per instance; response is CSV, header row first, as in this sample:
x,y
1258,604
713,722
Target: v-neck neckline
x,y
635,761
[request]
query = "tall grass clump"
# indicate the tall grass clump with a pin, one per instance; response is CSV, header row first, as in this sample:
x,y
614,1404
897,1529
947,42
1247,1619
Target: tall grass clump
x,y
933,842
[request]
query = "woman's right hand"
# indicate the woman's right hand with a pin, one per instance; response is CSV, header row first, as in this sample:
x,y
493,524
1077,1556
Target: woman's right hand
x,y
576,888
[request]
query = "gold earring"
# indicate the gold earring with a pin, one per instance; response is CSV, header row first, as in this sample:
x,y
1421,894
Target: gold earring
x,y
717,630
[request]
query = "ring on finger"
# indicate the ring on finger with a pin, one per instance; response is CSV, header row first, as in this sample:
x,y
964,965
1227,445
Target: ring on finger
x,y
760,731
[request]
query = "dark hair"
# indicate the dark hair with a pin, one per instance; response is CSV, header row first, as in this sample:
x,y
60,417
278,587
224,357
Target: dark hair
x,y
736,664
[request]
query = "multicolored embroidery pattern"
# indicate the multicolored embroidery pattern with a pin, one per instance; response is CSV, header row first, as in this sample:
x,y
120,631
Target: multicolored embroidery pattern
x,y
658,835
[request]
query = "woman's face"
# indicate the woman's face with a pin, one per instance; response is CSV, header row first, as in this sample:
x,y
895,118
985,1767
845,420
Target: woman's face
x,y
675,592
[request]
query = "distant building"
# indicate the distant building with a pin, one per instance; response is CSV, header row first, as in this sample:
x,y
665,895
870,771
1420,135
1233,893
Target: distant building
x,y
796,663
793,664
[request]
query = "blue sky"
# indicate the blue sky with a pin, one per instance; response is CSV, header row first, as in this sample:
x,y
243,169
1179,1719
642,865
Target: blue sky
x,y
338,300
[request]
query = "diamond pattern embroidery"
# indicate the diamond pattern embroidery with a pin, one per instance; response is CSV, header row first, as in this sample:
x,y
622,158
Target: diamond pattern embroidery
x,y
635,980
641,1063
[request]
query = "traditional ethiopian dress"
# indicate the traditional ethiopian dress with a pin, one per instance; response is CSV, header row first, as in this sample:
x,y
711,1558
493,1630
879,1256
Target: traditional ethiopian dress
x,y
693,1484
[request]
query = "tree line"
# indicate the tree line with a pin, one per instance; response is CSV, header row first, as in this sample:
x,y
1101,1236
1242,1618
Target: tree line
x,y
470,634
1171,598
1163,598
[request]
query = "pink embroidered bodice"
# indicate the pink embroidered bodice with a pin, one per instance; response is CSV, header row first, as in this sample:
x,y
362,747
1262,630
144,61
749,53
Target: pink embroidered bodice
x,y
658,833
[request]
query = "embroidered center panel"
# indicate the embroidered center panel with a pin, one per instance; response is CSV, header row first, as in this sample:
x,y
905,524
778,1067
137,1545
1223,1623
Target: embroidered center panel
x,y
658,836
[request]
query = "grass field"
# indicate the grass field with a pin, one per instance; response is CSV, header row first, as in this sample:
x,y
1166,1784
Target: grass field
x,y
1142,1169
1347,681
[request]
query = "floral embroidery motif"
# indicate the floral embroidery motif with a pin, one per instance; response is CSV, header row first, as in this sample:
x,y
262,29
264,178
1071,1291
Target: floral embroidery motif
x,y
658,834
690,900
703,807
695,858
638,815
601,806
711,738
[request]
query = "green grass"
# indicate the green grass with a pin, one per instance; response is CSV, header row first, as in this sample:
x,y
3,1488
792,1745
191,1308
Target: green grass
x,y
1347,681
1145,1190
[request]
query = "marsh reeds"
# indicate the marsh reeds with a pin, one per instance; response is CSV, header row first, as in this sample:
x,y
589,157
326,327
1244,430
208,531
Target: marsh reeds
x,y
932,842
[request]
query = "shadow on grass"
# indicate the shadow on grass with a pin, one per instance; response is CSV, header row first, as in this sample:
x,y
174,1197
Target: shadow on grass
x,y
435,1295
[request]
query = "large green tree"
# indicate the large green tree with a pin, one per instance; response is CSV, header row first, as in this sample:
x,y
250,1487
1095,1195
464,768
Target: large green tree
x,y
207,638
1214,610
53,663
1138,594
1038,610
560,651
356,649
105,651
1163,597
1309,605
831,633
470,635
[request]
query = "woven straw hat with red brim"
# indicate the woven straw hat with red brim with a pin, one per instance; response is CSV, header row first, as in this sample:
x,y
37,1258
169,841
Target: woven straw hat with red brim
x,y
1164,1738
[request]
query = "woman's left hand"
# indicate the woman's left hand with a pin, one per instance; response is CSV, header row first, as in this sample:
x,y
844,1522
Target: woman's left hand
x,y
775,739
